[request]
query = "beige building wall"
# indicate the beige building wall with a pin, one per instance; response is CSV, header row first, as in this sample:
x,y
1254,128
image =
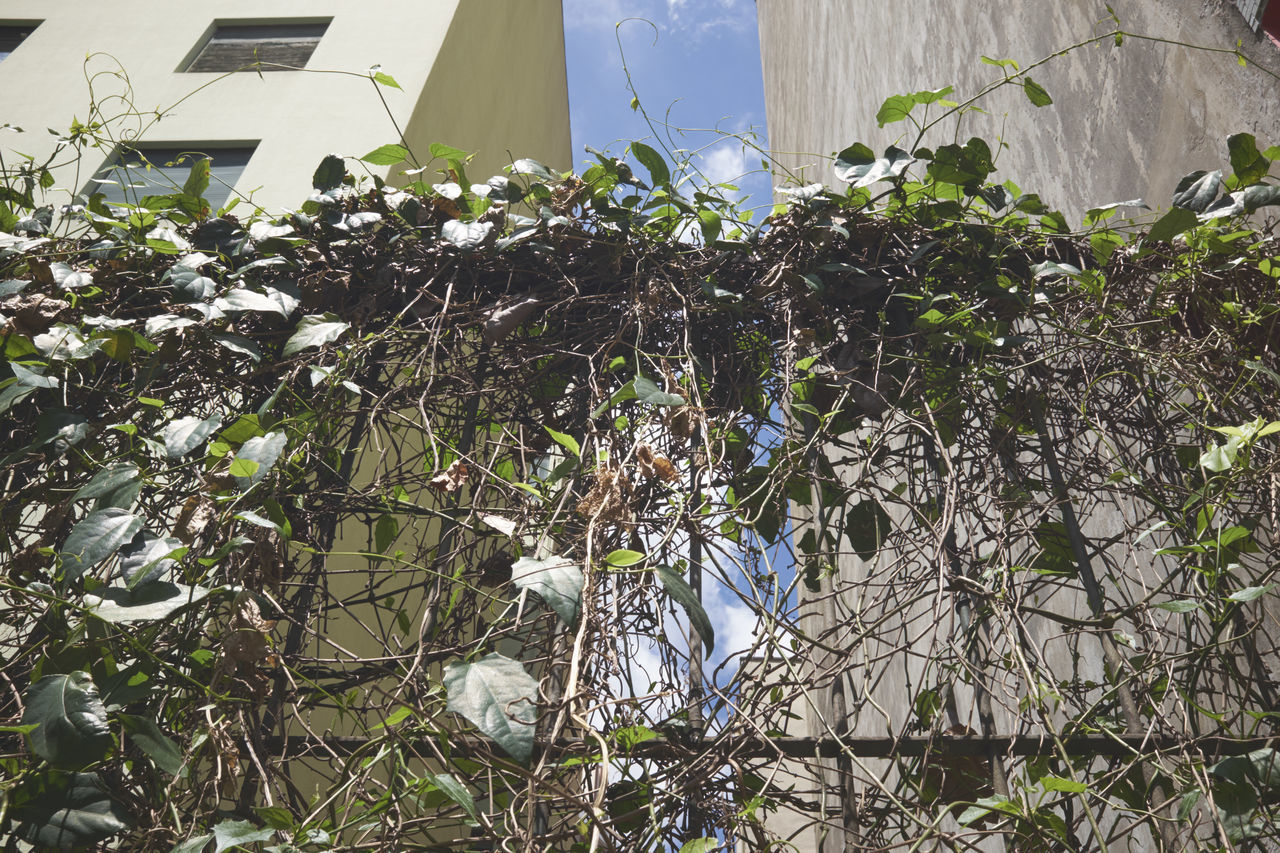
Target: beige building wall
x,y
1127,121
482,75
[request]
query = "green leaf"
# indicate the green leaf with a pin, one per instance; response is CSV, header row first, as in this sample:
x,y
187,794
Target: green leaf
x,y
701,845
556,579
385,531
243,467
386,155
1260,195
499,698
186,434
1179,605
623,557
1247,163
678,588
1057,783
315,330
329,173
193,845
1036,93
659,174
526,166
856,165
386,80
147,558
1173,223
238,833
467,236
568,442
108,480
156,600
454,790
95,538
709,223
244,299
894,109
1001,63
1197,190
981,808
75,816
866,525
144,732
264,450
897,107
1250,593
647,391
198,179
1222,456
446,152
239,344
72,727
275,817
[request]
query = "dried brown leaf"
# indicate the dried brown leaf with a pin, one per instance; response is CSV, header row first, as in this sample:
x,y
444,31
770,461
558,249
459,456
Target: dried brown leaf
x,y
452,478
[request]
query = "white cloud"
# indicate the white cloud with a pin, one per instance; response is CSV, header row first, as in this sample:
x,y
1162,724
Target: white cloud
x,y
725,162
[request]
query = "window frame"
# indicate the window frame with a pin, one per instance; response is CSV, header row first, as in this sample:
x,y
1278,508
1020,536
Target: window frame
x,y
19,25
171,178
211,36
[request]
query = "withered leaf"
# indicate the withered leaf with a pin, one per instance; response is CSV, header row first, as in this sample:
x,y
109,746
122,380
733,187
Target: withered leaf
x,y
452,478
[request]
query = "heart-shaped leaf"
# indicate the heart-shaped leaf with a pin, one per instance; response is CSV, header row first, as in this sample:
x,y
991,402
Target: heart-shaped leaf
x,y
147,558
95,538
1198,190
647,391
186,434
75,816
263,450
157,600
238,833
315,330
467,236
71,723
498,697
556,579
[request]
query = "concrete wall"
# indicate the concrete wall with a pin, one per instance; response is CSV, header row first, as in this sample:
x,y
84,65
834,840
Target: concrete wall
x,y
504,83
1127,121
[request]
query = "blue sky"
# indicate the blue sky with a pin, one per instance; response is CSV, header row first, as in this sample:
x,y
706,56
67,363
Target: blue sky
x,y
695,64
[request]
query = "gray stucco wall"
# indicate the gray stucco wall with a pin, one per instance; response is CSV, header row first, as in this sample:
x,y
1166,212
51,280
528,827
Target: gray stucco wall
x,y
1127,121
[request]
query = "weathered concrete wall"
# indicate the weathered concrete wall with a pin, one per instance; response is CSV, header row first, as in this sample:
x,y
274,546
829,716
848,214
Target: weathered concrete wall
x,y
1127,121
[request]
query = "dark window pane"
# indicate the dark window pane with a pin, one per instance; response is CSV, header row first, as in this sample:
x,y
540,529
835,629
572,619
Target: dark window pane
x,y
235,46
12,35
135,174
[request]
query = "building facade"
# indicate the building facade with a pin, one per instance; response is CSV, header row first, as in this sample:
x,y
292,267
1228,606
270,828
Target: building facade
x,y
267,92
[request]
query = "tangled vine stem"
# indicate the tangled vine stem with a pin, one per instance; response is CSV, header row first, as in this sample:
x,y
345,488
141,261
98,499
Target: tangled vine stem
x,y
408,520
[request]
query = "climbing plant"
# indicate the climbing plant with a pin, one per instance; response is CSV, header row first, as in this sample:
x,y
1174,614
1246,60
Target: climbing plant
x,y
397,522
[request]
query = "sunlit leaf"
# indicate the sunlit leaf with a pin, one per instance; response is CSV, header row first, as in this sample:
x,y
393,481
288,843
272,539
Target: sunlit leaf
x,y
499,698
557,580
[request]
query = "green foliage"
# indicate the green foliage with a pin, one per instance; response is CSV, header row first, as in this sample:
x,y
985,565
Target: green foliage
x,y
280,488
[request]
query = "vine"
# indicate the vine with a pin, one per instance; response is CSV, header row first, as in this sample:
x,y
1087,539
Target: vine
x,y
396,521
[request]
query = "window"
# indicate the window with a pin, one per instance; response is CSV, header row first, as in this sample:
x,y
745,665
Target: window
x,y
12,35
1263,16
1271,21
231,46
135,173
